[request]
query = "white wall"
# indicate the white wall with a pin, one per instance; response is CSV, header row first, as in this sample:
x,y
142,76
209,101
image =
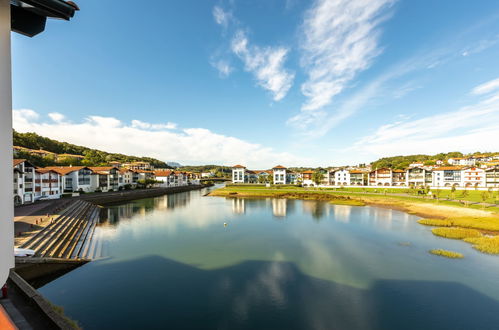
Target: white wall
x,y
6,175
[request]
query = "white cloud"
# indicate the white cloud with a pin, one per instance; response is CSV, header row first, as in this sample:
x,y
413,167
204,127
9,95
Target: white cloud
x,y
471,128
339,40
187,146
266,64
221,16
55,116
144,125
24,115
223,67
487,87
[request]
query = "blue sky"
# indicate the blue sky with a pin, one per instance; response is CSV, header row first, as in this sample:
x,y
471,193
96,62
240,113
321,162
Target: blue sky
x,y
318,83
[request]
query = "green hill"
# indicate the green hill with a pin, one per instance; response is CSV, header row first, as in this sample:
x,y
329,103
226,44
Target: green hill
x,y
93,157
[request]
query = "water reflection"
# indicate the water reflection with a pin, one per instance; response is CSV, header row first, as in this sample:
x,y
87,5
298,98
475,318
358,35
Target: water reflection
x,y
342,213
113,214
238,206
260,295
188,270
279,207
317,209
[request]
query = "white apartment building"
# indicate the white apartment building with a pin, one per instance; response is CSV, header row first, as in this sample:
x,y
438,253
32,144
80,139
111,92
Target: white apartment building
x,y
342,177
125,177
461,161
75,178
143,166
492,177
48,184
447,176
381,177
166,177
473,177
239,174
418,176
279,173
307,179
105,178
24,181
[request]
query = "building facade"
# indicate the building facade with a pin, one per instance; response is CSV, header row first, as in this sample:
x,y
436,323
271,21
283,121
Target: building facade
x,y
279,174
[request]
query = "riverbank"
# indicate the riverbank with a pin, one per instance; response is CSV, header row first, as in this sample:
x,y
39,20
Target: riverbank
x,y
426,208
110,198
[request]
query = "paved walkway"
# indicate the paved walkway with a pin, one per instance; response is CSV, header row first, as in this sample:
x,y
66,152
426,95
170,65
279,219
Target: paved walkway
x,y
29,219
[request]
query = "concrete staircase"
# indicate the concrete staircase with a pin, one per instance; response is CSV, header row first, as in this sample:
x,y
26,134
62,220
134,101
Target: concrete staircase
x,y
69,235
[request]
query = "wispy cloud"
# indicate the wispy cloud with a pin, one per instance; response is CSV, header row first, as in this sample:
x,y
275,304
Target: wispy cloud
x,y
221,16
487,87
187,146
466,129
223,67
266,64
480,46
340,39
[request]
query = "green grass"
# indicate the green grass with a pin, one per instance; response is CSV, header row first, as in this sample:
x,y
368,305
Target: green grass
x,y
447,254
485,244
455,233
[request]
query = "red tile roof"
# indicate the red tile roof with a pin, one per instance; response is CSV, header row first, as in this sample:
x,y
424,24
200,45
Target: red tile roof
x,y
63,170
18,161
308,172
448,168
163,173
44,170
238,166
279,167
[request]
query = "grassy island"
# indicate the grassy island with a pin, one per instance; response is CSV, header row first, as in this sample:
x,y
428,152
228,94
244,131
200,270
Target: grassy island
x,y
447,254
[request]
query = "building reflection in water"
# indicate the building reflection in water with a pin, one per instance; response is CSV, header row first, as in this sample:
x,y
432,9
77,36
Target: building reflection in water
x,y
279,207
113,214
238,205
342,213
317,209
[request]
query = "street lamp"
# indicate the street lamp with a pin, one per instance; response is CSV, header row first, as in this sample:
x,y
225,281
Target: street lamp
x,y
27,17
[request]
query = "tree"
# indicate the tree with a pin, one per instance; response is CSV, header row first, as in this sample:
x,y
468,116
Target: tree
x,y
317,177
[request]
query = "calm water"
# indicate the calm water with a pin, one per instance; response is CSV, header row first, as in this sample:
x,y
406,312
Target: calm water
x,y
169,263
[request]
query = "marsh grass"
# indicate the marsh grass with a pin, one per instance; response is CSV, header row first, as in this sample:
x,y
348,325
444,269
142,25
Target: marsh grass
x,y
436,222
447,254
485,244
483,223
456,233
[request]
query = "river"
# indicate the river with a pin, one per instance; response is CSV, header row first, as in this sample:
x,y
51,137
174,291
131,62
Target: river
x,y
186,261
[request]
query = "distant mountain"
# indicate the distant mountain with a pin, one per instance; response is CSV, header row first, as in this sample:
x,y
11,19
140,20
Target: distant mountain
x,y
92,157
173,164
